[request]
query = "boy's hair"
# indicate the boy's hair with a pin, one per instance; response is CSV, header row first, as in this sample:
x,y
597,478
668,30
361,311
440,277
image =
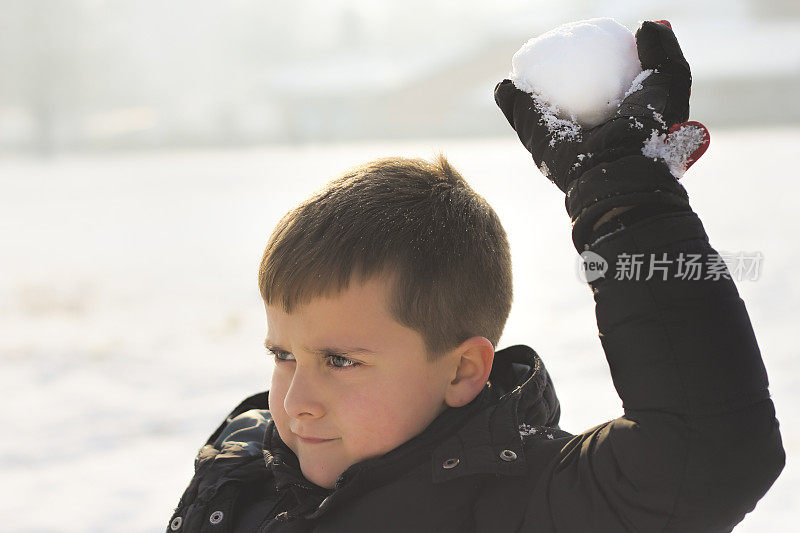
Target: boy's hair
x,y
419,222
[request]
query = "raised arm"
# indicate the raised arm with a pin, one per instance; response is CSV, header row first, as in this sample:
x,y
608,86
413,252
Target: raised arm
x,y
699,443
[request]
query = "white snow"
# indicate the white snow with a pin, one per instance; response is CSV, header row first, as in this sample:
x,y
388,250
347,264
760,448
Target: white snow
x,y
130,320
674,148
636,84
582,68
563,129
545,171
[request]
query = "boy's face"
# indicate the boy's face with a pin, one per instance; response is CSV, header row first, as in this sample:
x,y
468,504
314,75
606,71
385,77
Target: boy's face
x,y
350,382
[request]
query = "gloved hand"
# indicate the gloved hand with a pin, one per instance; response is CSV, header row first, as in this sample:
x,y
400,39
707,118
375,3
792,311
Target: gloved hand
x,y
634,158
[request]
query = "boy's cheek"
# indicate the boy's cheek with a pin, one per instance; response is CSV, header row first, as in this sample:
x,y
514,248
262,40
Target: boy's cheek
x,y
378,426
279,385
277,393
281,423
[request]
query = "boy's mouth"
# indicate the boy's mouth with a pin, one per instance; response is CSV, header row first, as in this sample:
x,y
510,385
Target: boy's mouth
x,y
312,440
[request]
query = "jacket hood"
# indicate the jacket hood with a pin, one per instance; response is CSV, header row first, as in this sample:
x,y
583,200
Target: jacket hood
x,y
519,373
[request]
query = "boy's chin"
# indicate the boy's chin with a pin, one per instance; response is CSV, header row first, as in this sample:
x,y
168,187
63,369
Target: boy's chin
x,y
325,479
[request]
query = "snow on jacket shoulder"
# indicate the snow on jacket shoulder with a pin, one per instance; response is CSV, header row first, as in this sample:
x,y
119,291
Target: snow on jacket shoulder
x,y
697,447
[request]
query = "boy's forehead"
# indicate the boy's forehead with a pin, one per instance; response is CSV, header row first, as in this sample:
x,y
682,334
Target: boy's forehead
x,y
357,320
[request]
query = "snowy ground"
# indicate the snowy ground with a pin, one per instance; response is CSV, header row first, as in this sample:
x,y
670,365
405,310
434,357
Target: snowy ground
x,y
130,321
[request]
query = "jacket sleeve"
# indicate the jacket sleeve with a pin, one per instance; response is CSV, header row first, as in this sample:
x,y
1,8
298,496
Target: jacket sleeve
x,y
698,444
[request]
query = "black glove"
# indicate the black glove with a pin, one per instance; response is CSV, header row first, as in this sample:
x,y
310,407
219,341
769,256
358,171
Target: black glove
x,y
604,167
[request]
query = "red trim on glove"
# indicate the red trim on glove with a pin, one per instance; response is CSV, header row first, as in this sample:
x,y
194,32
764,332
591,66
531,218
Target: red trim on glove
x,y
700,149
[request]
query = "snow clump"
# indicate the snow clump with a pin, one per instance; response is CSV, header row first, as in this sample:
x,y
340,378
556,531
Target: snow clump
x,y
676,148
581,71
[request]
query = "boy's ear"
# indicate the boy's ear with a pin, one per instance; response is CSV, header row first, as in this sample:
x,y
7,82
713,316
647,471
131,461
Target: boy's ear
x,y
473,360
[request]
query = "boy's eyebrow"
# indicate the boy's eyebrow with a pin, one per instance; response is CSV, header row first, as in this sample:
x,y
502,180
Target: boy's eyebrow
x,y
340,351
322,351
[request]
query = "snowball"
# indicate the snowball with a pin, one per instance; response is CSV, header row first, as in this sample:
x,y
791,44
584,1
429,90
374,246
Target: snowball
x,y
582,69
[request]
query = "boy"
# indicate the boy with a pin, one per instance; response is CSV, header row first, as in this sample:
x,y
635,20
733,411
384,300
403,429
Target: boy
x,y
385,295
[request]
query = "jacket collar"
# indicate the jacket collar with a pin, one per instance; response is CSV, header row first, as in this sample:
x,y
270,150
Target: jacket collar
x,y
481,436
521,395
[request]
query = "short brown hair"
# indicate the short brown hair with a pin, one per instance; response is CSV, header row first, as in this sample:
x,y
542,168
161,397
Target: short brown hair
x,y
414,219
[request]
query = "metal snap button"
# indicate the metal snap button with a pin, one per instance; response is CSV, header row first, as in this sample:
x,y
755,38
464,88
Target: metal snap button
x,y
508,455
175,525
451,463
216,517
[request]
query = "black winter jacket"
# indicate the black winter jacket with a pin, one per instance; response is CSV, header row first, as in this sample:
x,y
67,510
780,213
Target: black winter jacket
x,y
697,447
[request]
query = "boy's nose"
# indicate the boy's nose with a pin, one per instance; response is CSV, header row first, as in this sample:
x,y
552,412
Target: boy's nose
x,y
302,399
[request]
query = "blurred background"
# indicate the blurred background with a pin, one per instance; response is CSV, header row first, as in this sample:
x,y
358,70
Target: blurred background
x,y
148,148
116,74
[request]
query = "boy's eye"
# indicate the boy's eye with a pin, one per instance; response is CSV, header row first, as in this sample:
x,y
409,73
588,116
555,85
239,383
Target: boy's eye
x,y
334,360
281,355
338,361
